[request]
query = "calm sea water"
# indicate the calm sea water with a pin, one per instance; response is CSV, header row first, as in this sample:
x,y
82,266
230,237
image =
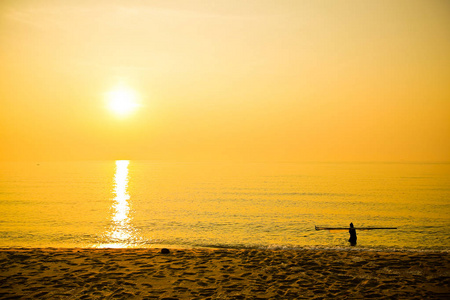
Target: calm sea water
x,y
153,204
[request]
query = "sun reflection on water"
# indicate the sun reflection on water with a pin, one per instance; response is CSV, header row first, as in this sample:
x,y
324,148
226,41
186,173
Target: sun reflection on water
x,y
122,233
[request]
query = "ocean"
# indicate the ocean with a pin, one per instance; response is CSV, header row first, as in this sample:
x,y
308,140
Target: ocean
x,y
102,204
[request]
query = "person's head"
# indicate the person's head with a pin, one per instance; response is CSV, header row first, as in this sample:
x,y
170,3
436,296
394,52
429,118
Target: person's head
x,y
351,225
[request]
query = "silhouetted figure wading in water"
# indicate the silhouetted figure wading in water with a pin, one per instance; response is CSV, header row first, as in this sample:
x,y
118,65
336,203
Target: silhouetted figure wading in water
x,y
352,232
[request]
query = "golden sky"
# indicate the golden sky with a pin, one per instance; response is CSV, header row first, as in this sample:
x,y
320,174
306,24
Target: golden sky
x,y
226,80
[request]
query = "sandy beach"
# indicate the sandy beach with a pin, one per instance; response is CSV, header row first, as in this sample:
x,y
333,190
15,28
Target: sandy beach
x,y
222,274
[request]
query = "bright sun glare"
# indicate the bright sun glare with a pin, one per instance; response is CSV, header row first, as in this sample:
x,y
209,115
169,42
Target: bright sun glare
x,y
122,101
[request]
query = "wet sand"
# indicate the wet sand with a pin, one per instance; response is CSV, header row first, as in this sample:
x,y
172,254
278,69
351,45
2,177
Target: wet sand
x,y
222,274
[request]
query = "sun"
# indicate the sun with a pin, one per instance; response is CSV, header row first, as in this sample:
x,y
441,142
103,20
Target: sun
x,y
122,101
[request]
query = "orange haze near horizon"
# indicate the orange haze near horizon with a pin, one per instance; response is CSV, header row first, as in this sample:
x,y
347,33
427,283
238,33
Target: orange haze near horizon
x,y
226,80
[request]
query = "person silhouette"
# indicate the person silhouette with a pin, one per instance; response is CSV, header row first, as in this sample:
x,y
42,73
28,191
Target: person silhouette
x,y
352,232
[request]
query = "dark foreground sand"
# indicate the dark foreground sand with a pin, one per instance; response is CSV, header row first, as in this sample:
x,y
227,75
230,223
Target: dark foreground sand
x,y
221,274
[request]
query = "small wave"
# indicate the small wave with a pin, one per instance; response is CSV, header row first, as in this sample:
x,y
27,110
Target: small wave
x,y
291,194
276,247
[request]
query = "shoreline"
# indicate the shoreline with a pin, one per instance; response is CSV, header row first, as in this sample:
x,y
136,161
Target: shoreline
x,y
200,273
212,247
